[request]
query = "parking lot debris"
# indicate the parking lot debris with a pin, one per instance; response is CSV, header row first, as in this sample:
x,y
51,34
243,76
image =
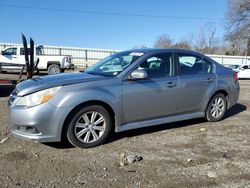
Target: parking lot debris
x,y
80,182
211,174
131,170
4,140
226,156
122,161
18,184
37,156
203,129
138,158
129,159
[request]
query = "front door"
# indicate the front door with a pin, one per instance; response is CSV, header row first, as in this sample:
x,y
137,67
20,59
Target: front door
x,y
153,97
9,56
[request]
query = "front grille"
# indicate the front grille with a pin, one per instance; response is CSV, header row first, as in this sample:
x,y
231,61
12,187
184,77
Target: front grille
x,y
13,96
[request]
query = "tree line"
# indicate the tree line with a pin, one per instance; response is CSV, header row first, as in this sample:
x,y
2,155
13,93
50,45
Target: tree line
x,y
236,40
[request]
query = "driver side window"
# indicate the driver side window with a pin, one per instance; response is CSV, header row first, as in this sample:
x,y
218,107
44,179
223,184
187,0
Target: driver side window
x,y
10,51
158,66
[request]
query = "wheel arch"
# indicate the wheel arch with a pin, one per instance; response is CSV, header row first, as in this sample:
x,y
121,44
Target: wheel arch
x,y
222,91
84,104
53,62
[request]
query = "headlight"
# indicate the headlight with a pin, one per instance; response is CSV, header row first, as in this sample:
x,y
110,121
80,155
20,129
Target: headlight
x,y
37,98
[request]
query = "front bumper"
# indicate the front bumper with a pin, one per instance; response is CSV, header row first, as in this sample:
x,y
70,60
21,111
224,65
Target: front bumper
x,y
42,123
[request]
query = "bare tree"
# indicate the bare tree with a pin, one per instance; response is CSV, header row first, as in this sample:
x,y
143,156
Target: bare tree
x,y
163,41
207,39
182,45
238,23
205,42
142,46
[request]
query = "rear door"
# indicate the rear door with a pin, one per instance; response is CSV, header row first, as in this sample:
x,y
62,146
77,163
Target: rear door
x,y
21,58
153,97
197,81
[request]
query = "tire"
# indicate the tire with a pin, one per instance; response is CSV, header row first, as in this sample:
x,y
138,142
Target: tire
x,y
84,131
216,108
62,70
54,69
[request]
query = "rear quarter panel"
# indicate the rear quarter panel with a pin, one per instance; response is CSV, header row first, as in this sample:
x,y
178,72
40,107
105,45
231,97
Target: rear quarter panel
x,y
225,81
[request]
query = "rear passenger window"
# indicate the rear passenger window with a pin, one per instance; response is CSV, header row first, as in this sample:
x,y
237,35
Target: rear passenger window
x,y
189,64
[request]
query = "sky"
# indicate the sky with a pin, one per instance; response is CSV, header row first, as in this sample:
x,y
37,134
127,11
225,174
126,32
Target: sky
x,y
108,24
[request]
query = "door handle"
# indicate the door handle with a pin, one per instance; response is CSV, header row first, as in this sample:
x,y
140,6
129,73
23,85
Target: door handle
x,y
209,80
14,57
171,84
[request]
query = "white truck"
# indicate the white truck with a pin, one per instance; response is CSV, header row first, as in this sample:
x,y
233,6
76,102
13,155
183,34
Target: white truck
x,y
54,64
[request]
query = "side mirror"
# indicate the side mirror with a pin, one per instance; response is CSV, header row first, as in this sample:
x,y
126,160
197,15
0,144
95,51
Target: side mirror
x,y
138,75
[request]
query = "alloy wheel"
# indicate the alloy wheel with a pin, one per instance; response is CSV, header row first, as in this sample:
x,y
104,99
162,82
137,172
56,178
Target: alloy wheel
x,y
90,127
217,107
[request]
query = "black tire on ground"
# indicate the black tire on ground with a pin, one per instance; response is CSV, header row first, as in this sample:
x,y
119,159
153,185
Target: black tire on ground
x,y
54,69
216,108
84,120
62,70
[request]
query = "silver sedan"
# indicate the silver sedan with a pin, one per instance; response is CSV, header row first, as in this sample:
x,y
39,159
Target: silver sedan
x,y
146,87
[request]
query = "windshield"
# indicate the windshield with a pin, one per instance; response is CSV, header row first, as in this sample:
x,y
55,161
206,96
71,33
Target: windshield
x,y
114,64
233,66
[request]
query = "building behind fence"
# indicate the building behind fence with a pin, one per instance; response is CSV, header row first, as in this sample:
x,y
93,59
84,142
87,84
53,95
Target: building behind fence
x,y
88,56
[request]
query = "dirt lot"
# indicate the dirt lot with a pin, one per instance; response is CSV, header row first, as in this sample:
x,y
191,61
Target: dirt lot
x,y
186,154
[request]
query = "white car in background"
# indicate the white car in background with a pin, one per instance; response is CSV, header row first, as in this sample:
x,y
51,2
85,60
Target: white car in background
x,y
234,67
243,71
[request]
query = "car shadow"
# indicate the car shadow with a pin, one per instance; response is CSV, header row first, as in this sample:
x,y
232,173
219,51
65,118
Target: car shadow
x,y
5,90
236,109
153,129
59,145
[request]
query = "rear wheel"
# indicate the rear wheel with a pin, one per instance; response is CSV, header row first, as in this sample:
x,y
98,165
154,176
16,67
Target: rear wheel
x,y
54,69
89,127
216,108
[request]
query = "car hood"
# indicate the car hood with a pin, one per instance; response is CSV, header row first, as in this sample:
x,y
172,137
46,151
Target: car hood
x,y
45,82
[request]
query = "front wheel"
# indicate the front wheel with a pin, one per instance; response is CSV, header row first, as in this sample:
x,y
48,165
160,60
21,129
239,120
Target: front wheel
x,y
216,108
89,127
54,69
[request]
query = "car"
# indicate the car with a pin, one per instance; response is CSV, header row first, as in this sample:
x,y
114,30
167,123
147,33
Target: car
x,y
157,86
243,71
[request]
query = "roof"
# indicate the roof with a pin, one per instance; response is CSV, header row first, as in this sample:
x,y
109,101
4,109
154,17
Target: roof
x,y
149,50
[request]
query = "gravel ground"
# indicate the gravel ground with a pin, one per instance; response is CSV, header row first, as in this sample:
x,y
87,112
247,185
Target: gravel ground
x,y
191,153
